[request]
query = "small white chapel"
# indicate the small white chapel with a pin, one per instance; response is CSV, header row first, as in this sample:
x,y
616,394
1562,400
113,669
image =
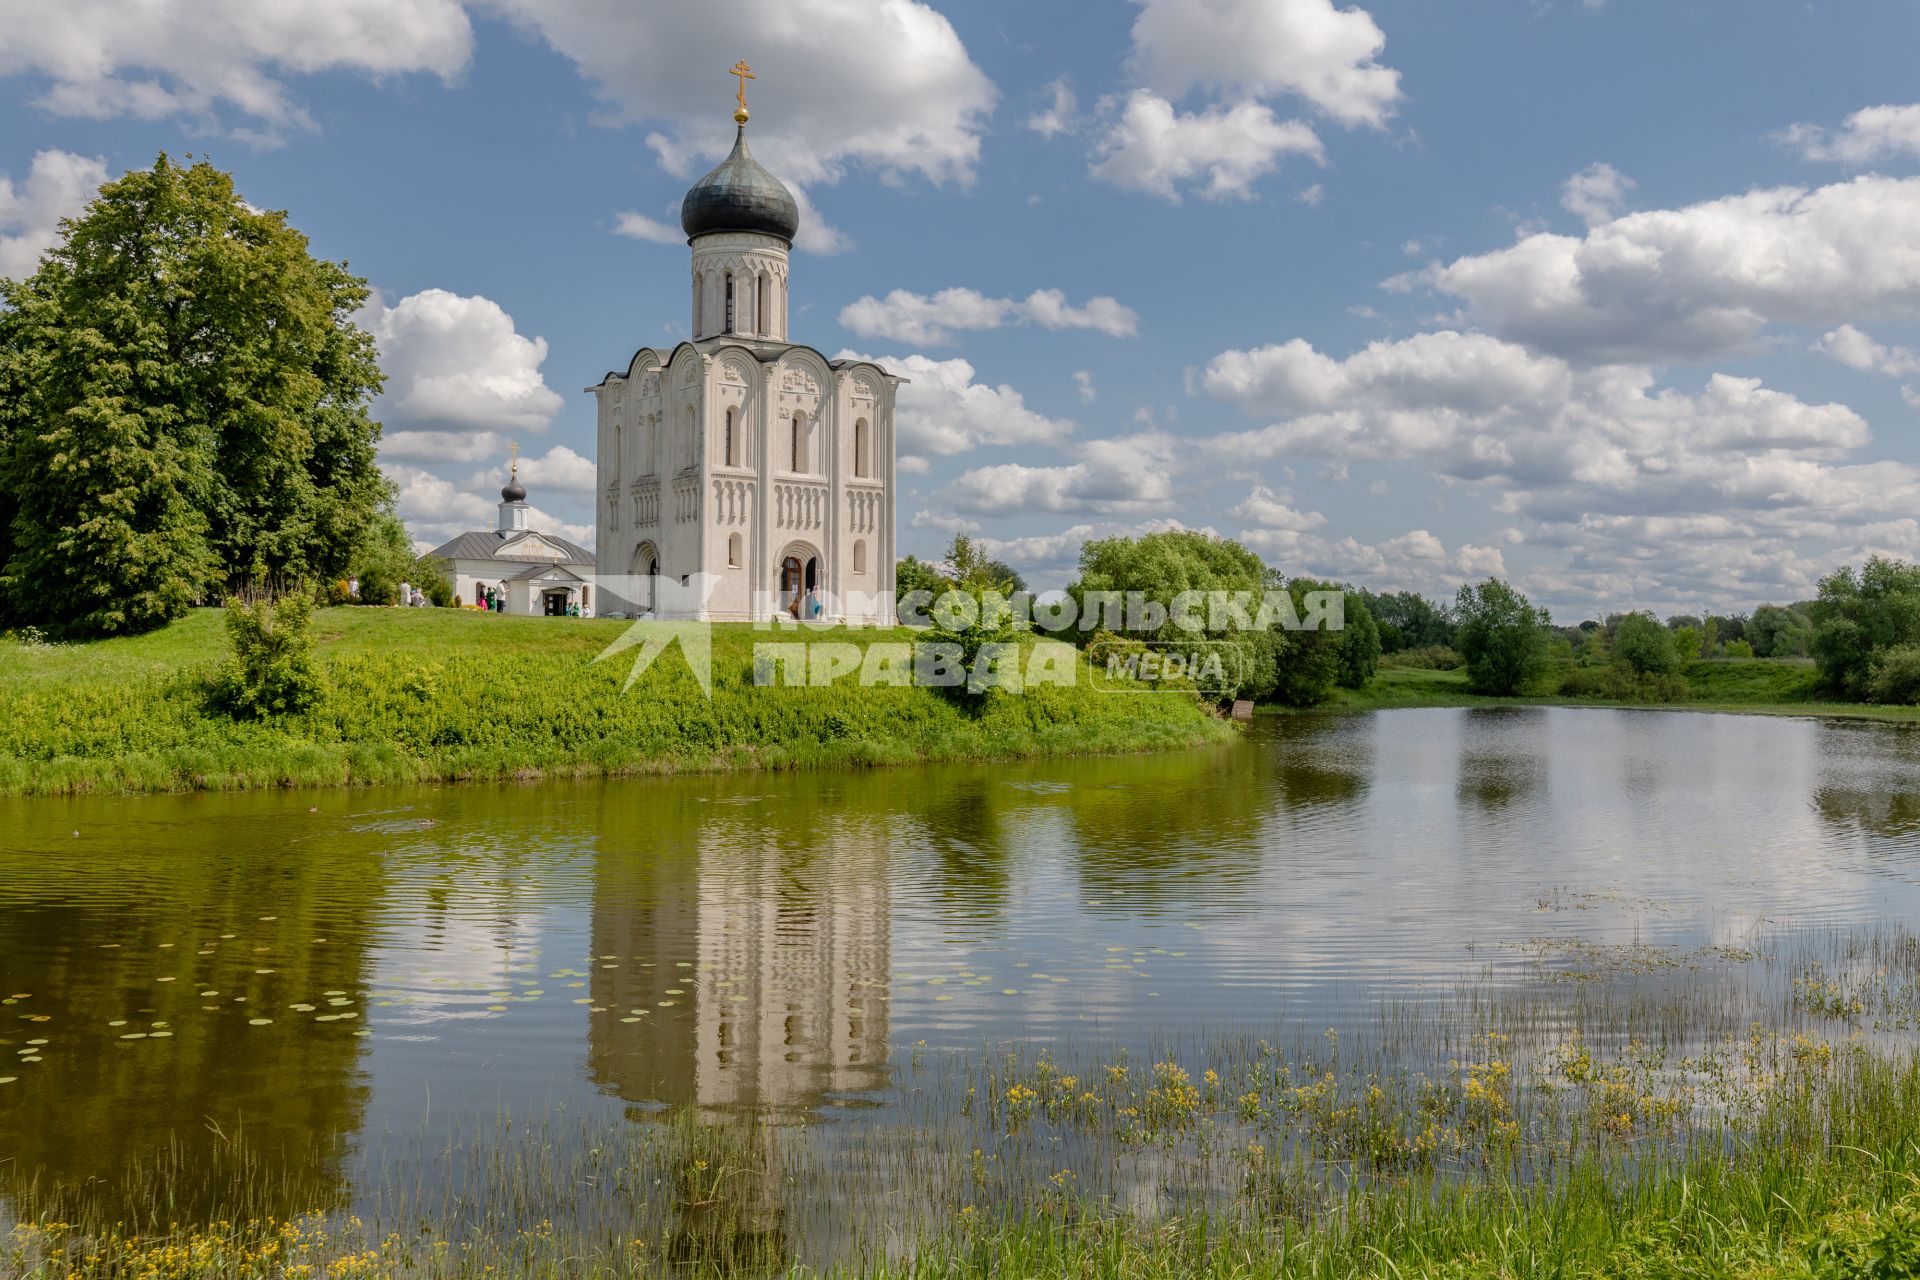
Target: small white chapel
x,y
533,572
743,476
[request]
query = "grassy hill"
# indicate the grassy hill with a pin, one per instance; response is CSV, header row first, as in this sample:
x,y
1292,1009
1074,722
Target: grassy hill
x,y
443,694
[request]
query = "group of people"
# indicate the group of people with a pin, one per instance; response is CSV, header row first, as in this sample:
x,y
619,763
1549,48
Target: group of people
x,y
494,600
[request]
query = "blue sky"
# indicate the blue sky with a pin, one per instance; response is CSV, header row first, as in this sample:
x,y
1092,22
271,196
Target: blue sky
x,y
1618,300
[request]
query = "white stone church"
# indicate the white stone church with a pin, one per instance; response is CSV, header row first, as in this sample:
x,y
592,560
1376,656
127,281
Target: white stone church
x,y
754,461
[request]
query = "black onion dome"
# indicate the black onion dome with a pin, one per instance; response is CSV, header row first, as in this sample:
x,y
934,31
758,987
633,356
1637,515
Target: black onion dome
x,y
740,195
513,490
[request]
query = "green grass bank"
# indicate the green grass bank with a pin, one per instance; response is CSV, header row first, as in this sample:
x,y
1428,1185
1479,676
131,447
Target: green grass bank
x,y
1759,686
431,695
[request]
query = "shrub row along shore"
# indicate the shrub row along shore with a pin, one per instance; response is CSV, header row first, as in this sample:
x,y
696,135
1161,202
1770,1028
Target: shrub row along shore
x,y
1758,686
436,695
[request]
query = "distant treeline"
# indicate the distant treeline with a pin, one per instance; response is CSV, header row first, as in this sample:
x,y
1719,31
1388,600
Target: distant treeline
x,y
1861,629
1410,621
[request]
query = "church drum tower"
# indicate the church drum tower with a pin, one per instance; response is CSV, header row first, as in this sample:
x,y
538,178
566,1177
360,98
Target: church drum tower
x,y
737,461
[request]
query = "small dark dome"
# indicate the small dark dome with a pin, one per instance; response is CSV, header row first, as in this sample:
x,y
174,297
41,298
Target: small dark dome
x,y
513,490
740,195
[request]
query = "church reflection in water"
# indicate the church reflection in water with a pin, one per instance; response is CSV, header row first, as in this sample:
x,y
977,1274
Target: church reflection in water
x,y
741,967
750,961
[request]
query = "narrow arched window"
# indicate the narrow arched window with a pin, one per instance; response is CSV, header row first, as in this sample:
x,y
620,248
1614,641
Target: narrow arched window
x,y
687,457
799,442
729,302
861,464
734,551
860,556
760,324
733,444
699,301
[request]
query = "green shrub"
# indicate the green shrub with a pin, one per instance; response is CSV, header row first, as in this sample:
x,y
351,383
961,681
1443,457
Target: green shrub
x,y
1737,649
271,672
1432,657
1359,644
1644,647
1896,676
1596,682
1619,683
991,624
434,581
1858,616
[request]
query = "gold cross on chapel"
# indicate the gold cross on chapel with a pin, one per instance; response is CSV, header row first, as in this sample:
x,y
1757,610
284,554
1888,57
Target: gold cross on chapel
x,y
744,73
513,446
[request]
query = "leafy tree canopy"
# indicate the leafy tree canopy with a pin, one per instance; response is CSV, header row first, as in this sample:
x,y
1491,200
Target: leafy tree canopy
x,y
183,408
1856,616
1502,637
1645,647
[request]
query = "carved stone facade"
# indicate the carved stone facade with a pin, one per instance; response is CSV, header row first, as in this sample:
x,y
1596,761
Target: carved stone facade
x,y
778,478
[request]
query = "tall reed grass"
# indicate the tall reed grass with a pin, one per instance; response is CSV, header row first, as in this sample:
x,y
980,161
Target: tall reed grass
x,y
1701,1126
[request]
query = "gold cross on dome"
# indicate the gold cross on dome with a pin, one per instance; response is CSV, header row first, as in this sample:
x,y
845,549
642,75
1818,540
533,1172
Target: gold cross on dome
x,y
745,73
513,446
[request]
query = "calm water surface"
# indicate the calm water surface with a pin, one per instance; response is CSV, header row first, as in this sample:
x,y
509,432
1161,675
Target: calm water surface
x,y
319,971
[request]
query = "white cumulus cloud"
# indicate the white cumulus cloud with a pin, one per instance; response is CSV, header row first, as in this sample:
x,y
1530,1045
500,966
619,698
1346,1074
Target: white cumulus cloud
x,y
58,185
1596,193
1680,284
942,411
638,226
1156,148
1554,440
928,321
153,59
1870,134
457,363
1306,48
1061,113
1858,350
885,84
558,470
1123,476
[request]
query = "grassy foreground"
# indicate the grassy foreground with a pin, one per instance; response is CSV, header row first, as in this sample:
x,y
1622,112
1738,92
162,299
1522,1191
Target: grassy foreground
x,y
1751,685
424,695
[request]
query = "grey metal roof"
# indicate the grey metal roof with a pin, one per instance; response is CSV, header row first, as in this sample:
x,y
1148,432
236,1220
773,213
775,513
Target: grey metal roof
x,y
488,545
541,571
740,195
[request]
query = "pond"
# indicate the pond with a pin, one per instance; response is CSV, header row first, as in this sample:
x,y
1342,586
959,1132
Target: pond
x,y
329,977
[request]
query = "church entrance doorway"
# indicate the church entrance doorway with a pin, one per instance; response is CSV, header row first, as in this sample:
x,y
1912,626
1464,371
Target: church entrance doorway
x,y
646,568
556,603
800,584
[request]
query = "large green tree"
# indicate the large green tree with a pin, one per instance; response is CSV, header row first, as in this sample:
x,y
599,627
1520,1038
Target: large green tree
x,y
1777,632
1857,616
1408,620
1644,647
183,409
1502,637
1160,566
